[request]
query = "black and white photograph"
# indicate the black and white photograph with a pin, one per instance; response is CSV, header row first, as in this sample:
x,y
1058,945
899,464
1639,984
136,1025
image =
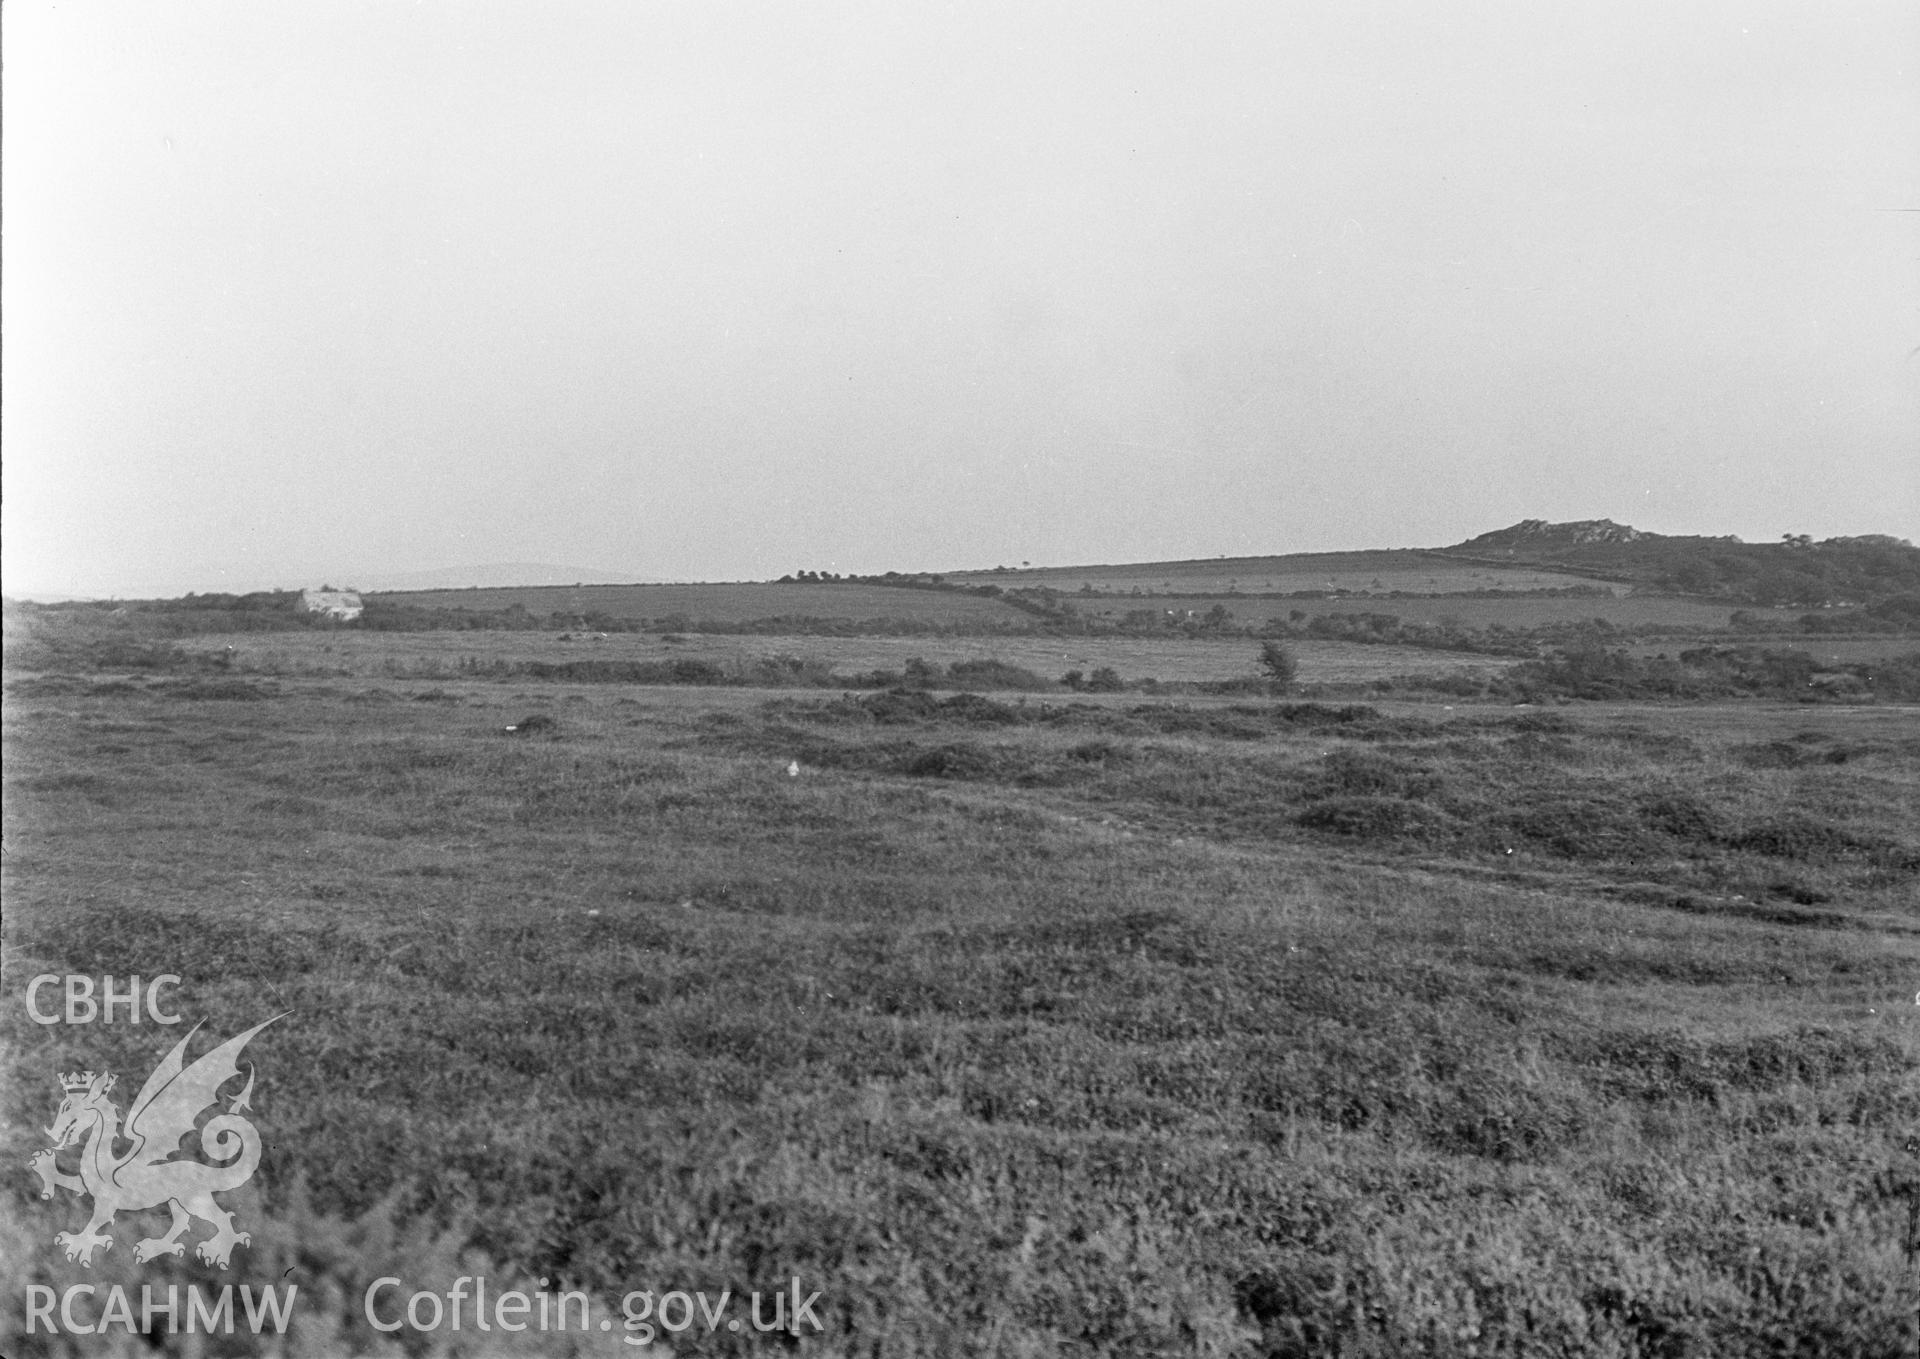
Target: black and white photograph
x,y
1001,679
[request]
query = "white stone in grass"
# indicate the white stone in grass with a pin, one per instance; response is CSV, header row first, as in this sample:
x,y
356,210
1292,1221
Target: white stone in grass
x,y
793,769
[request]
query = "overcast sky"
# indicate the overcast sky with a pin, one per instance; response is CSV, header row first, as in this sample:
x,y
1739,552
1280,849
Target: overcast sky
x,y
716,291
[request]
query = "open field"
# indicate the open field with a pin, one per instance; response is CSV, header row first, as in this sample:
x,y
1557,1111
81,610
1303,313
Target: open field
x,y
1412,572
1104,1026
1253,603
1173,660
1626,611
729,602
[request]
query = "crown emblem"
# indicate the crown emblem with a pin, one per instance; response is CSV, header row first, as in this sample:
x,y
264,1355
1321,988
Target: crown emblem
x,y
75,1081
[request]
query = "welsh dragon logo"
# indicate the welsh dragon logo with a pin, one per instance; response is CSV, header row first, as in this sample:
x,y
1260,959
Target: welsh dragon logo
x,y
145,1176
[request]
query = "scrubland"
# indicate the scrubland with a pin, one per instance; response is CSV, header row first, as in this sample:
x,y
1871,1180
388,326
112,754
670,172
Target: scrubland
x,y
1042,1024
743,658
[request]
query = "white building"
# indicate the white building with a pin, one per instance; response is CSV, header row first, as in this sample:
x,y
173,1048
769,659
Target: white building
x,y
343,605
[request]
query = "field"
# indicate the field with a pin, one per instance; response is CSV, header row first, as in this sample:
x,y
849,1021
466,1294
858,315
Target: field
x,y
448,655
739,602
1411,572
1626,611
1038,1025
1251,600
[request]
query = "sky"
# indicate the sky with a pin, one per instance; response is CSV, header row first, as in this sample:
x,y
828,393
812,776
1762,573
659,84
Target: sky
x,y
326,289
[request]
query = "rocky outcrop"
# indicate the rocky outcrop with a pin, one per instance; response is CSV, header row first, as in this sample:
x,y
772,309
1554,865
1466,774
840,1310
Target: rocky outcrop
x,y
1536,537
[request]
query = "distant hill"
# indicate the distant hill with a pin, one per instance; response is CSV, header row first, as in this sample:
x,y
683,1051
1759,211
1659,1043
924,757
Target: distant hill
x,y
493,576
1393,571
1528,575
1795,572
1588,556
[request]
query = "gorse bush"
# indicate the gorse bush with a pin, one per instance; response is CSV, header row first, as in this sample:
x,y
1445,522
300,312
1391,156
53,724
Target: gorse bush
x,y
992,674
1280,666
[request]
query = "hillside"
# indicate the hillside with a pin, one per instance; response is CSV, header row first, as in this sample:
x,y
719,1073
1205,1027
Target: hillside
x,y
681,606
1546,581
1585,557
1869,570
1397,571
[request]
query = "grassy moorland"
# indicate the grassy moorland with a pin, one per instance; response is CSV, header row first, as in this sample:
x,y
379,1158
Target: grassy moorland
x,y
1096,1024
